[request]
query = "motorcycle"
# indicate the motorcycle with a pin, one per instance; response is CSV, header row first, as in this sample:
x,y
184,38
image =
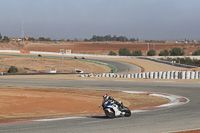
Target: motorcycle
x,y
112,110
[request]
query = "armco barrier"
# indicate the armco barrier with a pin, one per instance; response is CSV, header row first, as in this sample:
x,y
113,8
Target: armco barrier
x,y
151,75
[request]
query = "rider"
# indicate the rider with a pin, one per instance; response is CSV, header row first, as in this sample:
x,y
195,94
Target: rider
x,y
111,99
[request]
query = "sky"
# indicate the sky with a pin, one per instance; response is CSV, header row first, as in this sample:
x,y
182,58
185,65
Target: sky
x,y
69,19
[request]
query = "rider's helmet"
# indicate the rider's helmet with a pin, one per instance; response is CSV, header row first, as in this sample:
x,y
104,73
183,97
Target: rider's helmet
x,y
105,96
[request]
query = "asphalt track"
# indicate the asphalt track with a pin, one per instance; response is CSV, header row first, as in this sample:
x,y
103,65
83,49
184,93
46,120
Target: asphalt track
x,y
176,118
121,67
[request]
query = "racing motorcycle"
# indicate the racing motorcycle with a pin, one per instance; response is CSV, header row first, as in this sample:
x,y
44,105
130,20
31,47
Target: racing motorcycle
x,y
112,110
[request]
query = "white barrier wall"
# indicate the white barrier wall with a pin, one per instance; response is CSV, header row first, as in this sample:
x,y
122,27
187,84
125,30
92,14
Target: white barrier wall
x,y
152,75
10,51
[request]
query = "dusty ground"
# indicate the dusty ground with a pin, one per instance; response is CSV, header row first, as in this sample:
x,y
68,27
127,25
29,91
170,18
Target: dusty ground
x,y
39,65
22,104
106,47
98,47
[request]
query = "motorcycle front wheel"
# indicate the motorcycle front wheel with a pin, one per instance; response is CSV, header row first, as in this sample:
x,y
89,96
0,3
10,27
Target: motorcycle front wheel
x,y
109,113
127,112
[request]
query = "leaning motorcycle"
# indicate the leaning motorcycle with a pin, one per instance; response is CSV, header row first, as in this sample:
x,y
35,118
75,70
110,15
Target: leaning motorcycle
x,y
112,110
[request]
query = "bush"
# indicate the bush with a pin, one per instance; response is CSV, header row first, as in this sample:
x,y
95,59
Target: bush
x,y
124,52
5,39
112,53
12,69
137,53
151,53
176,52
197,52
164,53
187,61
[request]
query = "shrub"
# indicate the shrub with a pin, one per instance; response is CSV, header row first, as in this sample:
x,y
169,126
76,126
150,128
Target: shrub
x,y
164,53
197,52
187,61
112,53
151,53
124,52
6,39
12,69
176,52
137,53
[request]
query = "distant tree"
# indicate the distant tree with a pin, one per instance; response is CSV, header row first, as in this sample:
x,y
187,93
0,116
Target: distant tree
x,y
44,39
176,52
132,40
122,39
0,36
95,38
114,38
164,53
31,39
197,52
137,53
41,39
112,53
151,53
6,39
109,38
124,52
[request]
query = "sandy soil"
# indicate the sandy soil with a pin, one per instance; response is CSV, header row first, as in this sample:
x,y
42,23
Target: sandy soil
x,y
98,47
106,47
23,104
39,65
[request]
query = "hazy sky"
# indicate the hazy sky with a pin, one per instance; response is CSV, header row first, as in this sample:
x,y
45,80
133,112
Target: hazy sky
x,y
69,19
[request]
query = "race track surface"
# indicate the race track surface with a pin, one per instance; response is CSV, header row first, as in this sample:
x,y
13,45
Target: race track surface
x,y
182,117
